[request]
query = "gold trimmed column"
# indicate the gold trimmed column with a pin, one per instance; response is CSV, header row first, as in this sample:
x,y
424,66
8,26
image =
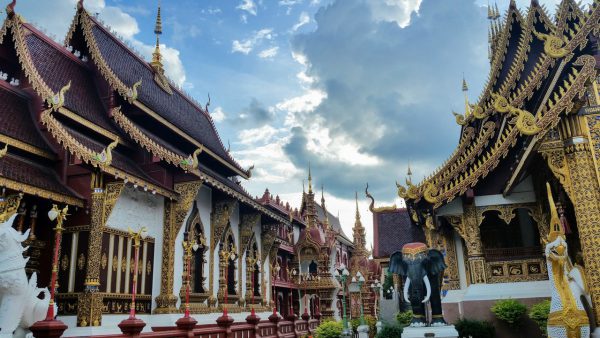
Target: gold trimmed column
x,y
175,212
586,194
467,227
89,303
219,218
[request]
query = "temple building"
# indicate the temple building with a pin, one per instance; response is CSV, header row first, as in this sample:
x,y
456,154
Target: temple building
x,y
91,125
535,121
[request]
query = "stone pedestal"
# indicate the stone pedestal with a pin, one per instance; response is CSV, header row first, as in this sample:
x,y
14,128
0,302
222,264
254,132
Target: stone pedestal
x,y
447,331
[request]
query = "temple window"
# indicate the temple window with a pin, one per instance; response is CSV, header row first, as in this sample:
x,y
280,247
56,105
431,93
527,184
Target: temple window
x,y
517,239
312,268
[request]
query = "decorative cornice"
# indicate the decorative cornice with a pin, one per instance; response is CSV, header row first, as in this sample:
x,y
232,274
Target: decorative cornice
x,y
89,156
129,93
146,142
43,193
34,78
90,125
153,114
13,142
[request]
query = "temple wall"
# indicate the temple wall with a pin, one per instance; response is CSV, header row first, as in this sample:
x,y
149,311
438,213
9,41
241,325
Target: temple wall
x,y
136,208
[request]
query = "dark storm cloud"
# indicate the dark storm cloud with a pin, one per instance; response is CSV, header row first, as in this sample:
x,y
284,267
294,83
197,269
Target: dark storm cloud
x,y
391,89
254,115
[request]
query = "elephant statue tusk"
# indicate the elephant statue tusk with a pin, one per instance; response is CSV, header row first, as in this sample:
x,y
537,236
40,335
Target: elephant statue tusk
x,y
406,285
428,287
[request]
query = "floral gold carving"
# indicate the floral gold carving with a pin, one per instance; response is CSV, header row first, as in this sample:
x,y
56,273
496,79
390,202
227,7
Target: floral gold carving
x,y
81,261
64,262
175,213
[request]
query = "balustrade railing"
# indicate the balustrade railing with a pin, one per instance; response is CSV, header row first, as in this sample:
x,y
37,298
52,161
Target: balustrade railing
x,y
275,327
503,254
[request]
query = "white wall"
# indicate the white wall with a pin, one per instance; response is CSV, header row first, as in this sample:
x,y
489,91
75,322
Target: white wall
x,y
136,208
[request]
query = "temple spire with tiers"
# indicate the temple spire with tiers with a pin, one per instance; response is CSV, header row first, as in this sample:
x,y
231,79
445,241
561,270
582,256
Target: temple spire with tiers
x,y
358,233
156,55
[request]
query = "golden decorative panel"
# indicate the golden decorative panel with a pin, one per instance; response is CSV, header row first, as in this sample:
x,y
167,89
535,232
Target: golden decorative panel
x,y
517,271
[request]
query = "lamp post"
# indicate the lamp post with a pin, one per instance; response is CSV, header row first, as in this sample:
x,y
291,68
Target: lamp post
x,y
133,325
226,254
187,322
136,238
361,280
291,316
341,274
251,260
50,326
376,287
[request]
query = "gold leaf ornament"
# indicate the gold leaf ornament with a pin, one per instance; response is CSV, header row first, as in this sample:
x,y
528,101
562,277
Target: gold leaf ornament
x,y
553,45
431,193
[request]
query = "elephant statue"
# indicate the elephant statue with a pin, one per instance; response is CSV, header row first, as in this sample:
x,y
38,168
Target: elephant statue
x,y
20,305
423,269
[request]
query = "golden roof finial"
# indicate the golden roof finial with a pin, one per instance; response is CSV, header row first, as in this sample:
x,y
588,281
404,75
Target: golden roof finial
x,y
497,15
156,55
465,89
490,12
409,172
556,228
309,180
322,196
357,216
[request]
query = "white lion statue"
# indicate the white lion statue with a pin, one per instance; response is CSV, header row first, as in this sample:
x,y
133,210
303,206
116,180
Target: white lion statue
x,y
20,305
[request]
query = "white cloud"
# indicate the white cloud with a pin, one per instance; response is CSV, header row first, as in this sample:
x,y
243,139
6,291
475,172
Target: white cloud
x,y
289,2
304,103
246,46
262,135
218,114
247,6
302,20
398,11
264,147
268,53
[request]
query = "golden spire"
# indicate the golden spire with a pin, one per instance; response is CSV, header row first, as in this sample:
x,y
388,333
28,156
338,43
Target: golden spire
x,y
322,196
409,172
465,89
556,228
309,180
357,216
156,55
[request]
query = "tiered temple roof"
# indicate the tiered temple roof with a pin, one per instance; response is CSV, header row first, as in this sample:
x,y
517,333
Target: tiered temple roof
x,y
102,106
539,67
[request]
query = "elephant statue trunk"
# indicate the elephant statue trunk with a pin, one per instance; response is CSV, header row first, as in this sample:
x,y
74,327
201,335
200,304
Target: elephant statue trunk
x,y
422,269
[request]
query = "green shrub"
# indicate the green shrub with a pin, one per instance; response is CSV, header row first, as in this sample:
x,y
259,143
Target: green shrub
x,y
354,323
330,329
372,322
539,314
404,318
510,311
475,328
390,331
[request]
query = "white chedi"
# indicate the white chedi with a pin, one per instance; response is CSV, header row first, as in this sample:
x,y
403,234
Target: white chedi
x,y
20,306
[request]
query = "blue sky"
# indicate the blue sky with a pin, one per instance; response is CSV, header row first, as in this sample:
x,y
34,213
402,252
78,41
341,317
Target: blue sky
x,y
359,88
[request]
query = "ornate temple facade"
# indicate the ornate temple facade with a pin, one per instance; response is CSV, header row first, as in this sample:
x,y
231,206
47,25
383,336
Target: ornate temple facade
x,y
90,125
536,121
